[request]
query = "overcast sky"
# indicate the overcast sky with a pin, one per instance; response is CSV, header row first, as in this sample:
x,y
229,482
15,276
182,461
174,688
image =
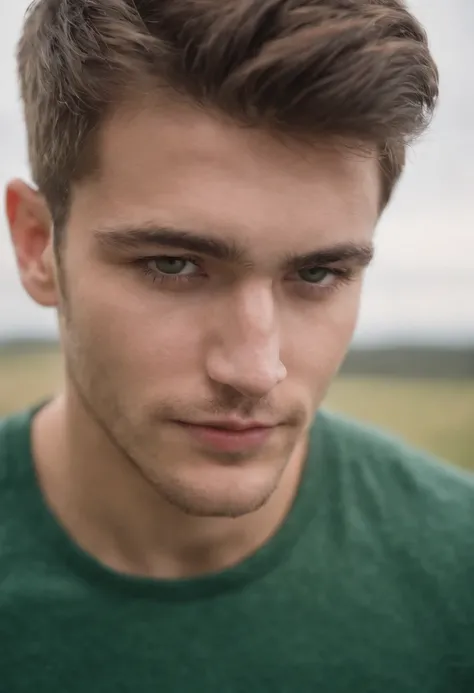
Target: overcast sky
x,y
422,284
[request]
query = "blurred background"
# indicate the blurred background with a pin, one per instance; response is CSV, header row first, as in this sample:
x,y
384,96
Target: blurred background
x,y
411,368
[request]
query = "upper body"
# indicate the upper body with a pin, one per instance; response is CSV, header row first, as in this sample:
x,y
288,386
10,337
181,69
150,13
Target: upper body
x,y
366,586
208,180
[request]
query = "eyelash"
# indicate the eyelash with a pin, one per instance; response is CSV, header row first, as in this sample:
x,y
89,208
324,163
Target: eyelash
x,y
155,277
342,276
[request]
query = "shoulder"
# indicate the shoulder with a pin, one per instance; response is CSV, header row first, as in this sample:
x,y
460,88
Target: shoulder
x,y
382,458
410,517
424,504
422,508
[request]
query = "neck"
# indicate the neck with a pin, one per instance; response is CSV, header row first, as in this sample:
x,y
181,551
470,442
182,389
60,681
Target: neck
x,y
113,514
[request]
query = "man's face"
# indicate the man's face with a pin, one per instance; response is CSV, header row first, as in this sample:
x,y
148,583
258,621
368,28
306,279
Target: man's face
x,y
213,277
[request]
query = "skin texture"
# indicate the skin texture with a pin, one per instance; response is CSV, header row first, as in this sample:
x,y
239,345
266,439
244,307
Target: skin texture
x,y
149,341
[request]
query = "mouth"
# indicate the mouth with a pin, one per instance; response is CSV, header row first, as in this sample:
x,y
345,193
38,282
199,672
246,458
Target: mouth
x,y
231,436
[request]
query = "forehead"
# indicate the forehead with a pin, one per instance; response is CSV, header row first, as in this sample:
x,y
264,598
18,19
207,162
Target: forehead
x,y
175,165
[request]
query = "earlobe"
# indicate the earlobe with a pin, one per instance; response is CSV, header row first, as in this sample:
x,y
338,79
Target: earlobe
x,y
31,232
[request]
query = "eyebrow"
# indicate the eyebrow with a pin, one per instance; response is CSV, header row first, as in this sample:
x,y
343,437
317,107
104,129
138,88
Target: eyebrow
x,y
357,254
126,238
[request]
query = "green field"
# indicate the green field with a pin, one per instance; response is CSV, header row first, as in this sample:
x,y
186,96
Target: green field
x,y
437,415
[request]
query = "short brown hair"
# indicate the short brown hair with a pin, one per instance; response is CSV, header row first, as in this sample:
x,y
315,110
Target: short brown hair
x,y
357,69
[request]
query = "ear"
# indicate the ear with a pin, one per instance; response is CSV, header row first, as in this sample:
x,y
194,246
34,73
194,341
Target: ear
x,y
31,231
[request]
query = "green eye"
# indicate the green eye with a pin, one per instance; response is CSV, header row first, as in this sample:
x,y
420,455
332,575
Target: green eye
x,y
172,266
314,275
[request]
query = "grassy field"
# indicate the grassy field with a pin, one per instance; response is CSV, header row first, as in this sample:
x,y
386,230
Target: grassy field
x,y
437,415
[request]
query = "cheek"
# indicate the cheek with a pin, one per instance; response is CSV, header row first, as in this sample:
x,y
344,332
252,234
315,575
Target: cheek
x,y
139,335
315,341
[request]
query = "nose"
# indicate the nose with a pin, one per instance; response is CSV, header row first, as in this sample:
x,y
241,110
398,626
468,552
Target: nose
x,y
245,354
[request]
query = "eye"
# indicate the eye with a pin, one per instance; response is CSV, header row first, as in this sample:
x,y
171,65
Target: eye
x,y
170,266
315,282
316,275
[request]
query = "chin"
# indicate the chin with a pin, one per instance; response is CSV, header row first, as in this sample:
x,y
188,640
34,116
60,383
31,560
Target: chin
x,y
230,495
219,507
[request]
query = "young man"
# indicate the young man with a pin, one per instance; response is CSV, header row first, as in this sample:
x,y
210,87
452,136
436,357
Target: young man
x,y
209,174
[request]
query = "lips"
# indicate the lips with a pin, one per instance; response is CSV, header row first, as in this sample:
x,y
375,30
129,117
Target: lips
x,y
232,425
229,436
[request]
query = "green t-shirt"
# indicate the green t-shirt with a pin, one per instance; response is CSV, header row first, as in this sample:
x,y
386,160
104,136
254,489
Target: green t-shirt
x,y
368,587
